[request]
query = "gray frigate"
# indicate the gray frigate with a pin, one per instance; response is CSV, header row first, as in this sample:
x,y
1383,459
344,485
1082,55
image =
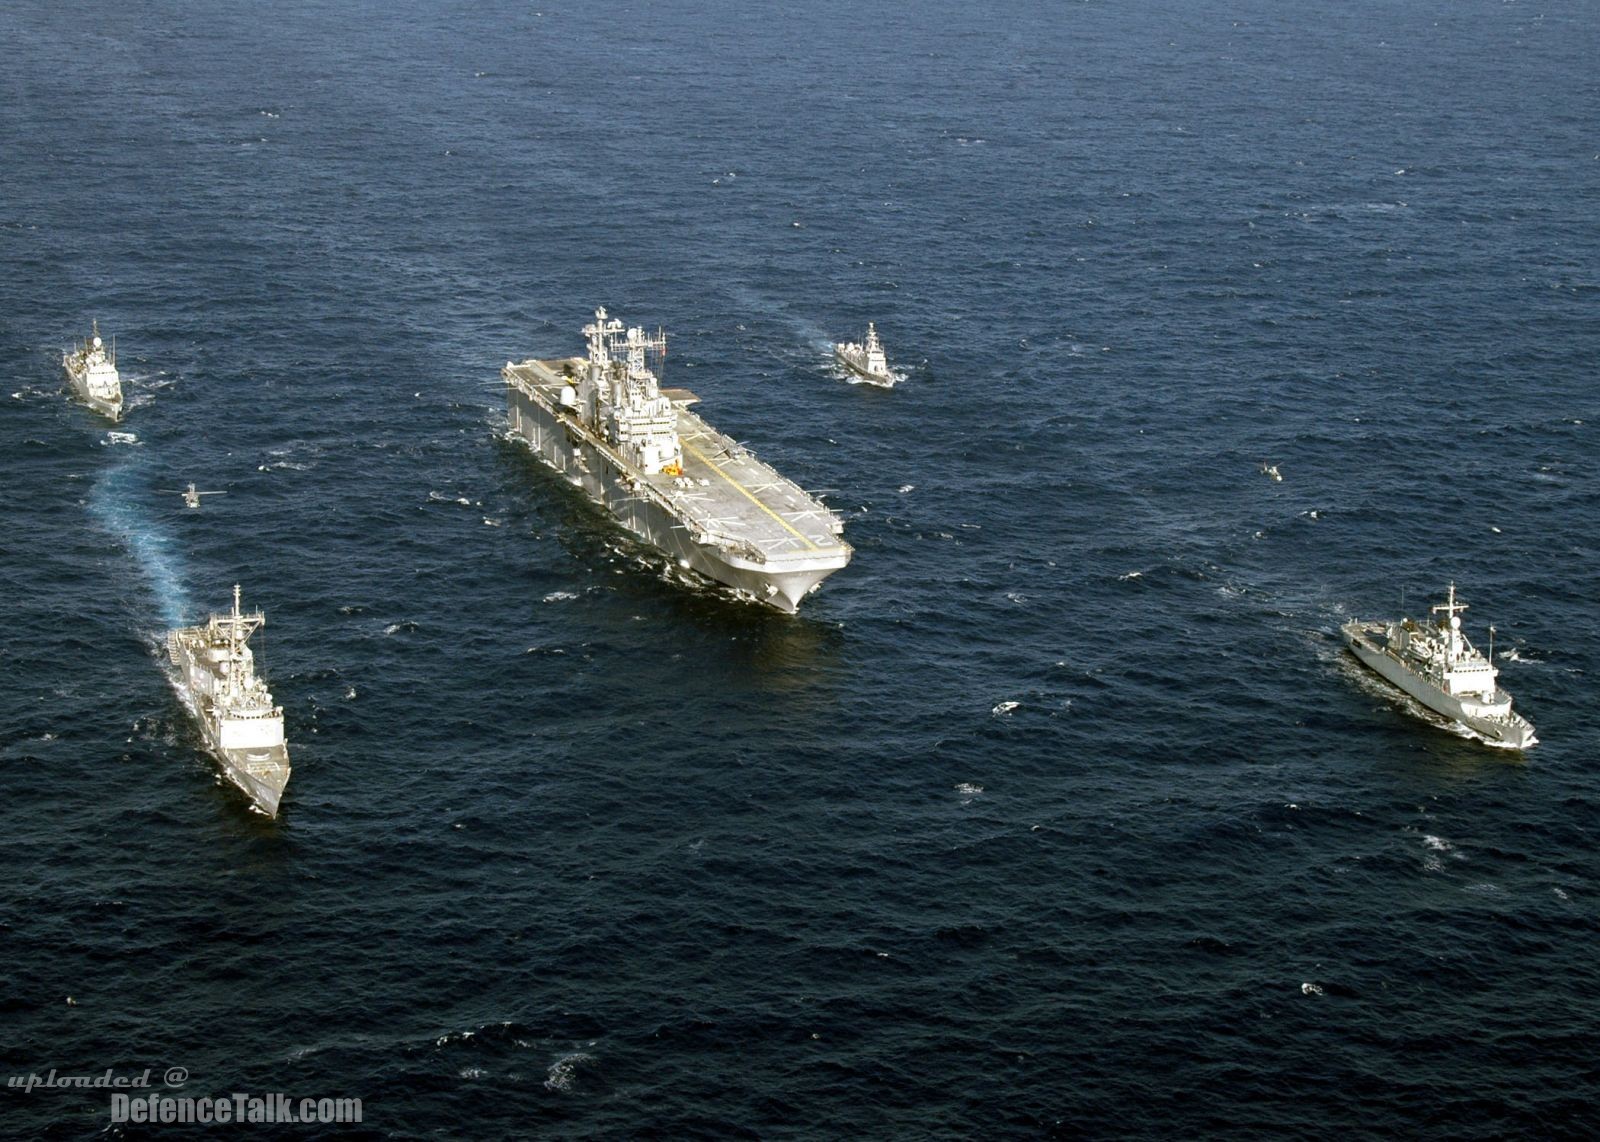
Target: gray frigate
x,y
1436,665
605,423
92,371
217,681
866,360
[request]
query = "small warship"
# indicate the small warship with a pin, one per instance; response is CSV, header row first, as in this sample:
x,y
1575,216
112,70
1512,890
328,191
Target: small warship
x,y
1436,665
866,361
217,681
92,371
605,423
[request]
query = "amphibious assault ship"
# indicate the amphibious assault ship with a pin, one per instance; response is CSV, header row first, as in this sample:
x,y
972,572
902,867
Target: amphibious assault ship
x,y
92,371
217,681
866,361
604,423
1437,666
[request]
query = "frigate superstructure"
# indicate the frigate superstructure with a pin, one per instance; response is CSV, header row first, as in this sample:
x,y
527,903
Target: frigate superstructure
x,y
217,681
604,422
1439,667
866,360
92,371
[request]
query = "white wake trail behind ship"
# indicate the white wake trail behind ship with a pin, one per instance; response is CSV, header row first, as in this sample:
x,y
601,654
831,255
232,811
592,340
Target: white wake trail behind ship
x,y
807,332
114,504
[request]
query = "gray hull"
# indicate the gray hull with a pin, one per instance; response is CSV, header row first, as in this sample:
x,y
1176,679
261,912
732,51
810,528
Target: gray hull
x,y
587,465
1511,730
883,381
111,411
261,774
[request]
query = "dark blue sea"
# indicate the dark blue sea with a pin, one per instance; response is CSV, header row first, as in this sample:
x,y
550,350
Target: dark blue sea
x,y
1059,812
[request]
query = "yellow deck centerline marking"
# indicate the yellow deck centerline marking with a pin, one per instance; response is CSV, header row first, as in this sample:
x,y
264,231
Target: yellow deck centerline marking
x,y
746,494
740,488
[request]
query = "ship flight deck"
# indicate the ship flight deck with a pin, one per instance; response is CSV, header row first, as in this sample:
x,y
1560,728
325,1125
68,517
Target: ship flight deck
x,y
722,490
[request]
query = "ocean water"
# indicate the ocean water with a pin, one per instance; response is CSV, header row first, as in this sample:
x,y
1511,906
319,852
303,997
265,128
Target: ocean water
x,y
1059,811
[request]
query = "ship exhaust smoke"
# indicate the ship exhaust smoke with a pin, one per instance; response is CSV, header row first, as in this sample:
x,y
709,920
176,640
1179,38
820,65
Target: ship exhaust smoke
x,y
113,503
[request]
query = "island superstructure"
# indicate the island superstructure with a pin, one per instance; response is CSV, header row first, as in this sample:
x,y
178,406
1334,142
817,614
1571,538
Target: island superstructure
x,y
217,681
867,360
92,372
1439,667
604,422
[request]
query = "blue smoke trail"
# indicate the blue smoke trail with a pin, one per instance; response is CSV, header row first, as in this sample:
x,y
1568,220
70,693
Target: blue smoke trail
x,y
112,502
806,331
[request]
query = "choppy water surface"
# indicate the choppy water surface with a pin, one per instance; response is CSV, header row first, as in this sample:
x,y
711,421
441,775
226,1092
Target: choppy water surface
x,y
1059,810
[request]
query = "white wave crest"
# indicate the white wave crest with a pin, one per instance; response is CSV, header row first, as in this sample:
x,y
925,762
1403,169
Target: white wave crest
x,y
564,1071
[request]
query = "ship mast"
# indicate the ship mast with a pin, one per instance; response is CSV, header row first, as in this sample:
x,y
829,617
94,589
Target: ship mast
x,y
596,333
639,374
597,386
1451,624
233,643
